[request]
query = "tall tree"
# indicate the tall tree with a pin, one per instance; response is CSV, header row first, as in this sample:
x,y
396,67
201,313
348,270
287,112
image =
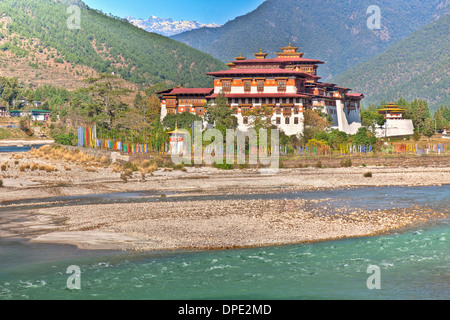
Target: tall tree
x,y
104,92
9,89
220,113
428,128
421,113
441,123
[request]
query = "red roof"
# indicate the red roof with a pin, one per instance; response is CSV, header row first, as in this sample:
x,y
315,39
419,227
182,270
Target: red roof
x,y
260,95
277,71
278,60
355,95
190,91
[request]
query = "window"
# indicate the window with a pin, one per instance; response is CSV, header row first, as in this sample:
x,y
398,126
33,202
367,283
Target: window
x,y
247,86
260,86
287,120
226,86
281,85
278,120
245,120
295,120
200,111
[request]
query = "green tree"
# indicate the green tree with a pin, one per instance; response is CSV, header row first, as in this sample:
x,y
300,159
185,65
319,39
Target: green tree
x,y
364,137
104,92
416,135
9,89
370,119
183,120
441,123
421,112
428,128
220,114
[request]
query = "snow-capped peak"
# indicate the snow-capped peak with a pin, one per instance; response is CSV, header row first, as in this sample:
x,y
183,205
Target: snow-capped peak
x,y
168,27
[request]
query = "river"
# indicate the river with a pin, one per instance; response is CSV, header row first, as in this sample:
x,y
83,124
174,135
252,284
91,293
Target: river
x,y
414,264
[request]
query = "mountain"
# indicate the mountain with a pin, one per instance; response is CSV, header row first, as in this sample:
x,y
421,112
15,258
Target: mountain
x,y
35,38
168,27
329,30
416,67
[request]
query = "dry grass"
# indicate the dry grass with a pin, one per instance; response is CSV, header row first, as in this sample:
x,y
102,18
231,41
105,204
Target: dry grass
x,y
50,169
90,163
74,156
24,167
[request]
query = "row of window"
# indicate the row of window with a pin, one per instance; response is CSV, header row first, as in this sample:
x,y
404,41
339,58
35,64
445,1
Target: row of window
x,y
226,86
192,101
277,120
264,100
259,67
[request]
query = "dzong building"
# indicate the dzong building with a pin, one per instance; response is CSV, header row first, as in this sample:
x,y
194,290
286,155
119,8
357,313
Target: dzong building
x,y
288,84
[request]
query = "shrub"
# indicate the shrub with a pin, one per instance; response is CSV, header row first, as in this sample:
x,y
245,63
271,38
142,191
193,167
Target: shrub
x,y
243,166
128,172
130,166
159,161
346,163
178,167
3,167
1,183
224,166
66,139
105,160
124,177
368,175
318,164
50,169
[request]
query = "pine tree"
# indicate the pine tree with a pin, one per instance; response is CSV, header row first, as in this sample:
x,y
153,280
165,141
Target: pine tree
x,y
428,128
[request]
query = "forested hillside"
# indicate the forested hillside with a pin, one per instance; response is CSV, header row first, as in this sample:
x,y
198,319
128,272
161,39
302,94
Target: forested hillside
x,y
329,30
416,67
103,45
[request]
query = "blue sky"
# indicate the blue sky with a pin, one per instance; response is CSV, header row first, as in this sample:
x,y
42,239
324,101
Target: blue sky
x,y
205,11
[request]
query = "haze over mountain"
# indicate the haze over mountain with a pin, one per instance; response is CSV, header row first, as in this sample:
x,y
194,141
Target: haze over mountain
x,y
329,30
168,27
35,39
416,67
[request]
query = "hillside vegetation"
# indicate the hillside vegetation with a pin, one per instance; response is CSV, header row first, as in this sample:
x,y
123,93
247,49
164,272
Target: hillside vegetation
x,y
36,33
416,67
329,30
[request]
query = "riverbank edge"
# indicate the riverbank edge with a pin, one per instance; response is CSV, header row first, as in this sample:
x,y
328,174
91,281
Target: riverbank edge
x,y
15,143
97,240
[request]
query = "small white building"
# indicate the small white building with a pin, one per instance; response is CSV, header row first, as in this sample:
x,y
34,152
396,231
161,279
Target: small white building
x,y
395,125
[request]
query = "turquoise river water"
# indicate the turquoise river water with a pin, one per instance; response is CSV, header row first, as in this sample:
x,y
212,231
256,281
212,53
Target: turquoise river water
x,y
413,264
